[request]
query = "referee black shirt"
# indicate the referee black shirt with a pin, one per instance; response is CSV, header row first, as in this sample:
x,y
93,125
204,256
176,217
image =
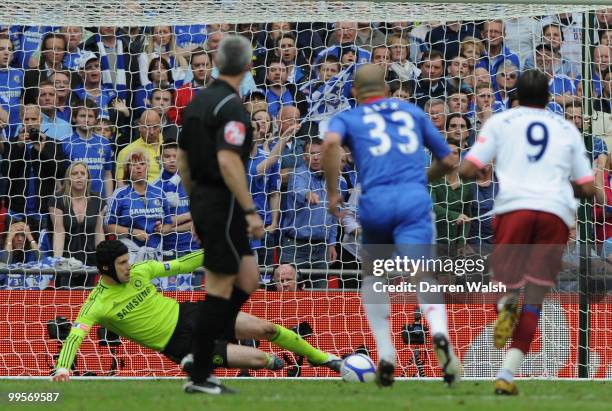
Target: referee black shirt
x,y
214,120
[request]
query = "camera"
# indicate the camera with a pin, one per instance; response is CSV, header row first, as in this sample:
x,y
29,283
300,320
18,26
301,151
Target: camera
x,y
58,328
34,134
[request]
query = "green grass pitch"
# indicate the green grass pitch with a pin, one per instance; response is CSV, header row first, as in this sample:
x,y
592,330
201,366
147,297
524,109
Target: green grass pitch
x,y
332,395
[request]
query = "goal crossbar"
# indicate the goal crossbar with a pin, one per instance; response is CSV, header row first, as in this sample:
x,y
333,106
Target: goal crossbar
x,y
164,12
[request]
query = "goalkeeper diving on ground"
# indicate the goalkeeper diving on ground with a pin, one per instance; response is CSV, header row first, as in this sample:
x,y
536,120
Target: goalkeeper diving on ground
x,y
127,303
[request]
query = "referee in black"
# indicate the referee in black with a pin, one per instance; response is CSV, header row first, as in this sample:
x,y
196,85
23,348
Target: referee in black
x,y
214,147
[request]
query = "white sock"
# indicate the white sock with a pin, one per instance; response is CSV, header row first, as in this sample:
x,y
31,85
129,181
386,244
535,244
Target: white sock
x,y
377,310
436,317
512,363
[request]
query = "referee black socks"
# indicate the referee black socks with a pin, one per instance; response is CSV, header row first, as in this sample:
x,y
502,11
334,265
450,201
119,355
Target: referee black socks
x,y
238,298
215,314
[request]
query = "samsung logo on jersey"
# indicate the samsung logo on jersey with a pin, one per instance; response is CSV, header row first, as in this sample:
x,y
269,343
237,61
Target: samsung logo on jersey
x,y
134,302
10,94
156,211
90,160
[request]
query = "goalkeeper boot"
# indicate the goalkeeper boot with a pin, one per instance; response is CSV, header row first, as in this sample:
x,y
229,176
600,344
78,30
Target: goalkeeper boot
x,y
503,387
507,315
385,373
211,386
449,363
333,363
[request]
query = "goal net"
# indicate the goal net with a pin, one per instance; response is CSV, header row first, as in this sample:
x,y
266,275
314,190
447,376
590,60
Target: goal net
x,y
83,104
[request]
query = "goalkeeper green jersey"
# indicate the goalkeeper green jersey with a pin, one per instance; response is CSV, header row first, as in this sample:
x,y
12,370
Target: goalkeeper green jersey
x,y
134,310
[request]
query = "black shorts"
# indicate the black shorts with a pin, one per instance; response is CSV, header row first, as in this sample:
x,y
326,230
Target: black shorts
x,y
220,223
180,342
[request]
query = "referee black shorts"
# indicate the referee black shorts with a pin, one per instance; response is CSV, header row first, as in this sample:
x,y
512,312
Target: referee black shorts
x,y
220,223
180,342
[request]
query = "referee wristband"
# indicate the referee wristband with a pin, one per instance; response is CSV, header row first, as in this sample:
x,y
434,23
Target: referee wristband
x,y
252,210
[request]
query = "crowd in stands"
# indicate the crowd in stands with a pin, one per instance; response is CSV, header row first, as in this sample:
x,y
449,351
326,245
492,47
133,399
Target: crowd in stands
x,y
90,118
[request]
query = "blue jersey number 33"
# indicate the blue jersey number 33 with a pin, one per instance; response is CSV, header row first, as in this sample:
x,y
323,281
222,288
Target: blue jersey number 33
x,y
405,129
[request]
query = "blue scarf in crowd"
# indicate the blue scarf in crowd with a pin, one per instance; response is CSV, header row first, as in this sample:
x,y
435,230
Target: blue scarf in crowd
x,y
107,80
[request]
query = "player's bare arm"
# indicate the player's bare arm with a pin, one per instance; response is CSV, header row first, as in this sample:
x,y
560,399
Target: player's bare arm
x,y
440,168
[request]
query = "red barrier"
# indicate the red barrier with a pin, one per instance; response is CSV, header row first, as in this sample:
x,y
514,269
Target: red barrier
x,y
339,324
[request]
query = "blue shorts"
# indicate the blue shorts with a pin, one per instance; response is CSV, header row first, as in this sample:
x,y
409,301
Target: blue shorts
x,y
400,215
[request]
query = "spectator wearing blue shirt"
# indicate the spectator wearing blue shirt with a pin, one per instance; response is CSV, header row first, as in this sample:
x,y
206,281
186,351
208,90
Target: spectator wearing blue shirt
x,y
309,231
560,86
495,53
279,92
74,51
139,212
92,149
263,179
63,94
11,88
180,240
52,125
92,87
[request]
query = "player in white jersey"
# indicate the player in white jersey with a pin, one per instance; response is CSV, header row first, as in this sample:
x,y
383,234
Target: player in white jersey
x,y
541,166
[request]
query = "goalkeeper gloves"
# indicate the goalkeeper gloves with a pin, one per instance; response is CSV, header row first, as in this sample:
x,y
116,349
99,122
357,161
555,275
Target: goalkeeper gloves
x,y
61,374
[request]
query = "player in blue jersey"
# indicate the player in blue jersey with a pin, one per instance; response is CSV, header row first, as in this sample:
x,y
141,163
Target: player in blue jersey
x,y
387,138
94,150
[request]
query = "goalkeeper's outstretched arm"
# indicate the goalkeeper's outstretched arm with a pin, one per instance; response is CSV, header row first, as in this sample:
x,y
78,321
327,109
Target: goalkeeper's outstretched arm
x,y
80,328
183,265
